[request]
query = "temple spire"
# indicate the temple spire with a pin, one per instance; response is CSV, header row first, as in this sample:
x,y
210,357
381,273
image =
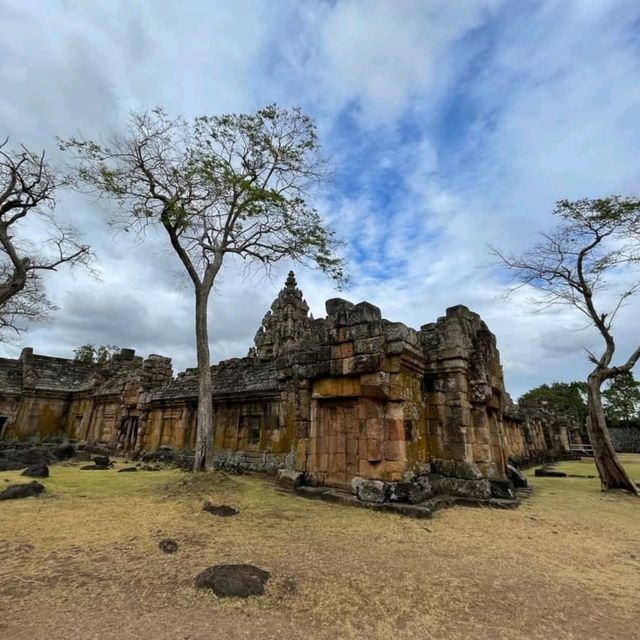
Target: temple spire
x,y
287,325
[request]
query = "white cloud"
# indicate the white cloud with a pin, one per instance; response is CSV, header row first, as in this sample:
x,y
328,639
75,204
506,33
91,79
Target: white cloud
x,y
451,126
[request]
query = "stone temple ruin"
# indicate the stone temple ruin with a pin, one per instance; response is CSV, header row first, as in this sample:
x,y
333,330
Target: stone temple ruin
x,y
351,395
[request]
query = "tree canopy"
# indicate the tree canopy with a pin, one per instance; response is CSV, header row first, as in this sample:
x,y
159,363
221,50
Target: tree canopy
x,y
562,396
236,185
97,355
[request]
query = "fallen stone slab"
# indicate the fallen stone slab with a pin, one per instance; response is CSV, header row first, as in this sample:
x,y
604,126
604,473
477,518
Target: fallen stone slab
x,y
542,472
219,510
168,545
94,467
233,580
127,469
15,491
38,470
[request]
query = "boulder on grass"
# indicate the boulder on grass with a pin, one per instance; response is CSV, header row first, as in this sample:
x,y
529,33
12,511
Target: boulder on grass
x,y
15,491
94,467
127,469
233,580
38,470
102,461
544,472
219,510
168,545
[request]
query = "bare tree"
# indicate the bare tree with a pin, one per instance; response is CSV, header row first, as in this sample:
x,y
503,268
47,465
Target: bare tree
x,y
589,262
28,186
217,186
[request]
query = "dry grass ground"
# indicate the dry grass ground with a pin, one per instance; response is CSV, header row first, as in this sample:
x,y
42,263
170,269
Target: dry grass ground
x,y
82,561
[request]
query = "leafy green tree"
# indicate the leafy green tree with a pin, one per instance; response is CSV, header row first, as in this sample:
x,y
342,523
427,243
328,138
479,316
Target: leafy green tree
x,y
93,354
622,398
563,396
589,262
216,187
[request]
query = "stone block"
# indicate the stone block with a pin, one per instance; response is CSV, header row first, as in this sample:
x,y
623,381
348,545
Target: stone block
x,y
374,449
467,470
362,364
334,306
372,491
394,429
393,470
346,350
361,331
473,489
355,483
373,409
426,485
368,345
409,492
289,478
503,489
394,450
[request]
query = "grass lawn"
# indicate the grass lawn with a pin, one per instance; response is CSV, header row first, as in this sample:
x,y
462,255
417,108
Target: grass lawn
x,y
82,561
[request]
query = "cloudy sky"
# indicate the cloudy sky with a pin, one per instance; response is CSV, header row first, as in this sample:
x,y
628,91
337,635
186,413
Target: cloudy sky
x,y
451,126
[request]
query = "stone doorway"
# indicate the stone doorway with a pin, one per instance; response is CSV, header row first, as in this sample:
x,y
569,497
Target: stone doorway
x,y
128,433
337,441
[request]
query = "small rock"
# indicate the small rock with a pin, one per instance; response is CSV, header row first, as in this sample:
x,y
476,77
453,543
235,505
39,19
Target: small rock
x,y
39,470
219,510
127,469
15,491
233,580
168,545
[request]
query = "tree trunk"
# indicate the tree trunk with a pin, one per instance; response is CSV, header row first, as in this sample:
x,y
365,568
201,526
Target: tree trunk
x,y
612,474
204,429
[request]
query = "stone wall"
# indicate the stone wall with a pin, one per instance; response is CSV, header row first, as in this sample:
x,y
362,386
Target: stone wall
x,y
351,395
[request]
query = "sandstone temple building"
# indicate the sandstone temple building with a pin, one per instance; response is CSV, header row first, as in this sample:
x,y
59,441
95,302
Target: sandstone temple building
x,y
348,395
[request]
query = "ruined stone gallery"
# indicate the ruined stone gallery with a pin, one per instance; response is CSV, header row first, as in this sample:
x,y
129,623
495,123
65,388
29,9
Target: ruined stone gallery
x,y
336,398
